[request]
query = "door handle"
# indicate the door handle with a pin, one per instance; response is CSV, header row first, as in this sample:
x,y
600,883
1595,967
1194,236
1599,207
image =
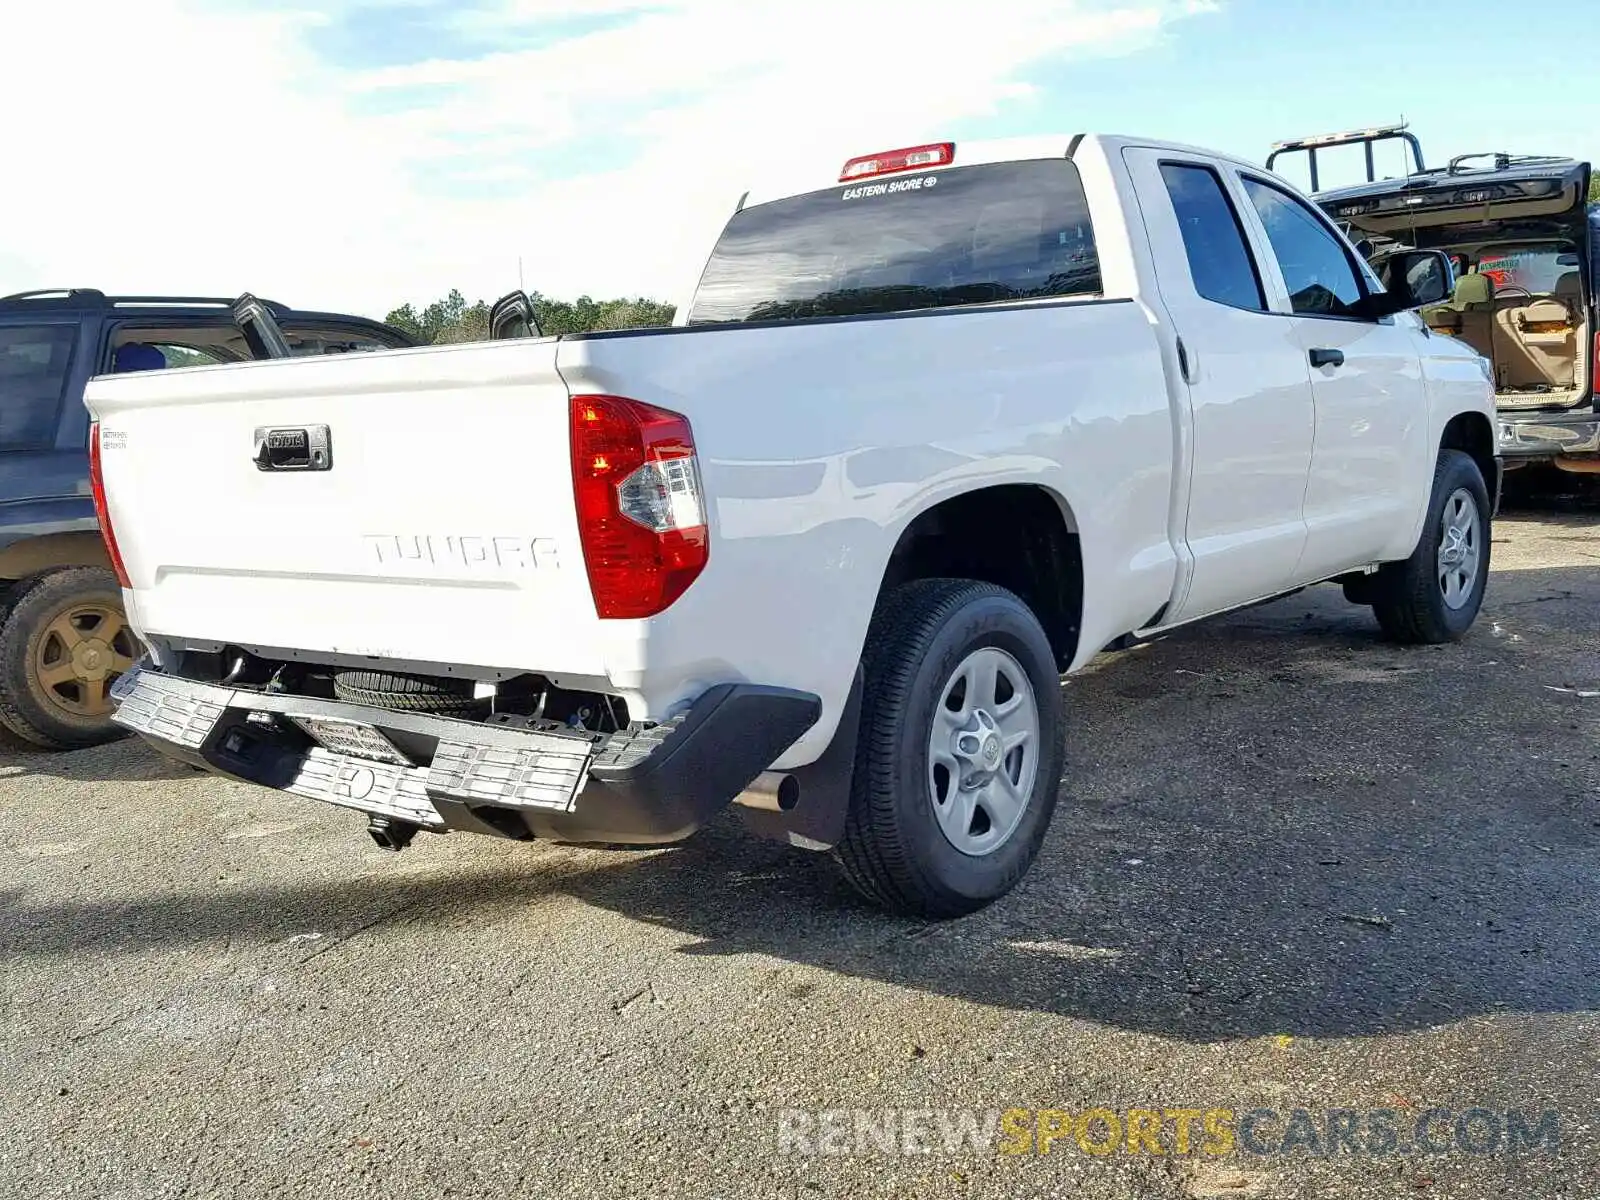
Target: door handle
x,y
1327,358
1186,364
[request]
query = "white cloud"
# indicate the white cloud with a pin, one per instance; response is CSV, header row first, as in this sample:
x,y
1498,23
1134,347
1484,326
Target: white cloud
x,y
209,149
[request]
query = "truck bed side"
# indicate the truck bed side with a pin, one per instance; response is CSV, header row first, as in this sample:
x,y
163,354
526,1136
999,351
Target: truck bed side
x,y
877,420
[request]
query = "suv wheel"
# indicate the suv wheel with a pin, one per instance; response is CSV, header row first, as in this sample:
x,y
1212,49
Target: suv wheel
x,y
960,751
63,641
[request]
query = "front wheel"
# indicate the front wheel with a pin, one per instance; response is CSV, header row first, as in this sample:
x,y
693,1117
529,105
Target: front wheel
x,y
1434,596
959,754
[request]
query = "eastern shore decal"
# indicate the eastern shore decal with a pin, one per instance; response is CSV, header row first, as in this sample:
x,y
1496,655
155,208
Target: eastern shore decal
x,y
884,189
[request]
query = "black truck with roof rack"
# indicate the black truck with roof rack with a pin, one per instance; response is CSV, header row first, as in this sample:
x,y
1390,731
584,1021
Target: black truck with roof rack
x,y
1525,244
64,637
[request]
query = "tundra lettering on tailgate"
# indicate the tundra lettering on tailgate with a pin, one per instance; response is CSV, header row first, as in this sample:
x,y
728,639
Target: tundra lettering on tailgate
x,y
488,551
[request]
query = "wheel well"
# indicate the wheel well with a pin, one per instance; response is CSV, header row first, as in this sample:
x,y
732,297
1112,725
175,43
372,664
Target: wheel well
x,y
1017,536
81,548
1472,434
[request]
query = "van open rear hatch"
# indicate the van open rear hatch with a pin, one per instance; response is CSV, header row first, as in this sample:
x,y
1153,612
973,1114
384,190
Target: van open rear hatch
x,y
1473,190
1517,229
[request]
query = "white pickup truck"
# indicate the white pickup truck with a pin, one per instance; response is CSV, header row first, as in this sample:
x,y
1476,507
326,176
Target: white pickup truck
x,y
922,439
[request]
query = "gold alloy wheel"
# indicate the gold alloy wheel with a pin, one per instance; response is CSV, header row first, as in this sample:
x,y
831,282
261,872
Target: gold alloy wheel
x,y
78,656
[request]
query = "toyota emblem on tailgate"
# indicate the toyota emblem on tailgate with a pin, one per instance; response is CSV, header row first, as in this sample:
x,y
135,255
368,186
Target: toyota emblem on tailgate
x,y
293,448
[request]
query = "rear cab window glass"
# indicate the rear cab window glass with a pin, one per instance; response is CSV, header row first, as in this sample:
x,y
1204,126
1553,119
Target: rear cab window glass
x,y
34,361
985,234
1316,268
1219,260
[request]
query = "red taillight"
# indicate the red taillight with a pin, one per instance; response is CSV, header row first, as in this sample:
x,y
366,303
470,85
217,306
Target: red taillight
x,y
97,487
641,511
935,154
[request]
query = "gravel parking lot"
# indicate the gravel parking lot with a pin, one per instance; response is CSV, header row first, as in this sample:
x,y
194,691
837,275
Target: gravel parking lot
x,y
1294,868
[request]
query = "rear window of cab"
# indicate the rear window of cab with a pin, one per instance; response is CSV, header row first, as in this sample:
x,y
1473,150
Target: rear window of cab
x,y
986,234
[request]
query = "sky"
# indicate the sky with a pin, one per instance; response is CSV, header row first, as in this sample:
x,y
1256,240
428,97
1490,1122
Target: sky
x,y
356,154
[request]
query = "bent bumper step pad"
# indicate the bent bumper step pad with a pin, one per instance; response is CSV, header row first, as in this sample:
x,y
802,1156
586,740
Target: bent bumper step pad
x,y
519,769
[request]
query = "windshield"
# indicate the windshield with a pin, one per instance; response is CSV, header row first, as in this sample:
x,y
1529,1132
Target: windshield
x,y
972,235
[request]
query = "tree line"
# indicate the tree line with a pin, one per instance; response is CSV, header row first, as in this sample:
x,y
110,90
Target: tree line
x,y
454,320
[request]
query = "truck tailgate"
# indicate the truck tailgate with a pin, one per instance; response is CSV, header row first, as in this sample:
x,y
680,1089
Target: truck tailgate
x,y
399,545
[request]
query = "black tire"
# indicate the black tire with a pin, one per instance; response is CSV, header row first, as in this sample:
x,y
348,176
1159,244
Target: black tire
x,y
407,693
38,712
1407,597
893,849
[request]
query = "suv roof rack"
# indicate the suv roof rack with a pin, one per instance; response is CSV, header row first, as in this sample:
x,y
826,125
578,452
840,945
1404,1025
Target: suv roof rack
x,y
96,299
91,295
1502,161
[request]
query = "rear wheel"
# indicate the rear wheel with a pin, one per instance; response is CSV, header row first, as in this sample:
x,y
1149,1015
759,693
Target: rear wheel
x,y
63,641
959,755
1434,596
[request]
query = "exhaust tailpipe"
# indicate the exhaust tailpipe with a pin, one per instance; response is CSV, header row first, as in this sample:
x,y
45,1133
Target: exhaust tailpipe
x,y
771,791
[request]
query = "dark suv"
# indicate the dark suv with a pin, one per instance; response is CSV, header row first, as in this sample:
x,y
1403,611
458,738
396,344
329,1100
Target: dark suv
x,y
1525,243
63,636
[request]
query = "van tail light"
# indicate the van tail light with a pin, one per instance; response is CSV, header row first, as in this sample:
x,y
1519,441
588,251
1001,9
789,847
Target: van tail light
x,y
641,508
935,154
97,486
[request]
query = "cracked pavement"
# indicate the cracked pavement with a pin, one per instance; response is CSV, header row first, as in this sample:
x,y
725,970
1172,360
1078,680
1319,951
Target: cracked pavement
x,y
1294,867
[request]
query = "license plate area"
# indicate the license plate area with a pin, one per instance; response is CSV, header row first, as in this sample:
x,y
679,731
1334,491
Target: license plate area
x,y
354,738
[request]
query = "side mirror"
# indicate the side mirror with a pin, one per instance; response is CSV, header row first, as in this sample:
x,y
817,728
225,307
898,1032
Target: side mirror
x,y
1412,279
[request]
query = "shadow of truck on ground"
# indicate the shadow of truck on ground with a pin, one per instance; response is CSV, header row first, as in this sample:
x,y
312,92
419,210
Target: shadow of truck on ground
x,y
1274,823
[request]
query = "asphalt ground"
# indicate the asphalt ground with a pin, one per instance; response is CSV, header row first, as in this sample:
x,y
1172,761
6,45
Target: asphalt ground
x,y
1296,872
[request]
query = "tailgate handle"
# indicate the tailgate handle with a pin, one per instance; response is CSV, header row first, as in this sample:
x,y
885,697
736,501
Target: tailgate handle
x,y
293,448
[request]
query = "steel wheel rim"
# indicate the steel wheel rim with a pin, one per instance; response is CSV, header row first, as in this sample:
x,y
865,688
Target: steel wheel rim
x,y
983,751
1460,556
79,655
